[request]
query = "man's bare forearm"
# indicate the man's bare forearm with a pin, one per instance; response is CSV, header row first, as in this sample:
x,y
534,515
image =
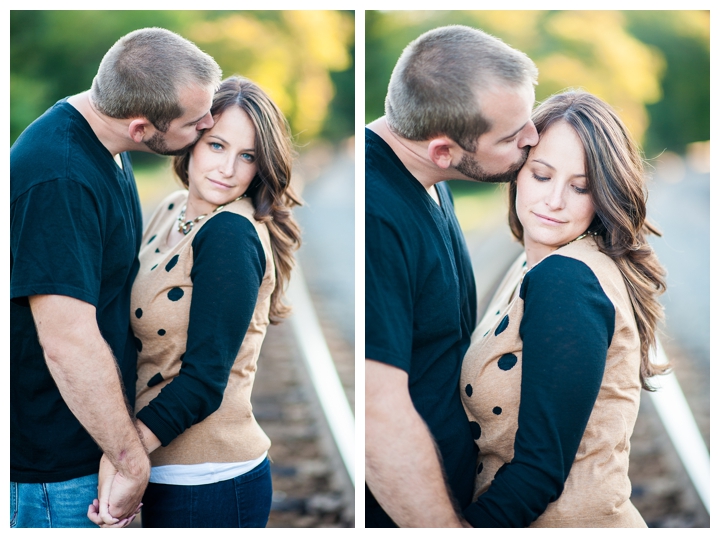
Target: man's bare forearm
x,y
85,371
402,467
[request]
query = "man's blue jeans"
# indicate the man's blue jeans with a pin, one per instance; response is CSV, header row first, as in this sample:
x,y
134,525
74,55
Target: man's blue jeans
x,y
53,504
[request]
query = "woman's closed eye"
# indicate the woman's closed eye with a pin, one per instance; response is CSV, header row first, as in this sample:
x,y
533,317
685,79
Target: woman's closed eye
x,y
540,178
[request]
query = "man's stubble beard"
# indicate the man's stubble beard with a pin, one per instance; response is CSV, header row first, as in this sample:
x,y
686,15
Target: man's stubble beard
x,y
156,143
471,168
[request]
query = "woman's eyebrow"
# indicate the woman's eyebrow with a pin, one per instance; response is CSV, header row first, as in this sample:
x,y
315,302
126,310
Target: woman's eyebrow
x,y
553,168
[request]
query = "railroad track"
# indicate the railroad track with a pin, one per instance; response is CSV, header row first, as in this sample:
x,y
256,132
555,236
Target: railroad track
x,y
311,488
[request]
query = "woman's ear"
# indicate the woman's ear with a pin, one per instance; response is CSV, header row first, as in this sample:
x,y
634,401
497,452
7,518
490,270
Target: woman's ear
x,y
441,151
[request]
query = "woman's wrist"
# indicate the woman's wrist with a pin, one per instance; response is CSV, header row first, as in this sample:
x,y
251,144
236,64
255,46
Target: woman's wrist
x,y
148,438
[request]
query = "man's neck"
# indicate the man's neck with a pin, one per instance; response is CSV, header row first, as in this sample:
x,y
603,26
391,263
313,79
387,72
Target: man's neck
x,y
111,132
414,156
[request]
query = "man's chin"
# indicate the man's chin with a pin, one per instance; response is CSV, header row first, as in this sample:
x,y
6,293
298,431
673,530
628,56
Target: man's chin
x,y
157,144
473,171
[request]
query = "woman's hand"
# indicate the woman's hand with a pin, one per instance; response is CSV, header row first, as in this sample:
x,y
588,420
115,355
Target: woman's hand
x,y
98,511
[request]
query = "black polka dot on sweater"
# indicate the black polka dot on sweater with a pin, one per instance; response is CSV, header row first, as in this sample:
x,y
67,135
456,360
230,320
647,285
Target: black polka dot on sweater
x,y
155,380
157,250
138,313
175,294
507,361
171,206
161,332
476,430
151,239
138,344
468,389
480,468
172,263
503,325
497,410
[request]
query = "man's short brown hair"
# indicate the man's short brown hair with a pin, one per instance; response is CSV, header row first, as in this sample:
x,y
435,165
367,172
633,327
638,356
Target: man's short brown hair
x,y
436,85
141,74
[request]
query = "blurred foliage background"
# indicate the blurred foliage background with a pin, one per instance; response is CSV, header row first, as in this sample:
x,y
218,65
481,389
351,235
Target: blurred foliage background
x,y
303,59
652,66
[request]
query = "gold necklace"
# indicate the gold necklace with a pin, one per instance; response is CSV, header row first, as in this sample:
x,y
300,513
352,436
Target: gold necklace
x,y
581,236
186,226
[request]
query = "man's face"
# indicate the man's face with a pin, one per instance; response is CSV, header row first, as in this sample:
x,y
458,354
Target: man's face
x,y
187,129
502,150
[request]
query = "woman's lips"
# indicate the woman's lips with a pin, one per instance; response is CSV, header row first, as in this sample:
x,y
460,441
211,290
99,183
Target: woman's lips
x,y
548,220
219,184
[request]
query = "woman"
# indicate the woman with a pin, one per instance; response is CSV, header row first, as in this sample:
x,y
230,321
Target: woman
x,y
551,382
213,267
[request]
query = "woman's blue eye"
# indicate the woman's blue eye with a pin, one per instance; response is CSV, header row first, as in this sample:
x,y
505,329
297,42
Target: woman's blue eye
x,y
215,145
249,157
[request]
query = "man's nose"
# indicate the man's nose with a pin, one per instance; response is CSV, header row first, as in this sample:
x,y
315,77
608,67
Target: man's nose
x,y
206,123
528,136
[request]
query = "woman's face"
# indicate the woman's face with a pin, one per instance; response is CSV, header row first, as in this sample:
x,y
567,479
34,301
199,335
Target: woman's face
x,y
553,202
222,163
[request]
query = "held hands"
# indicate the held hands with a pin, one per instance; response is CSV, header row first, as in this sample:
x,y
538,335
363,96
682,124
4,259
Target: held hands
x,y
117,495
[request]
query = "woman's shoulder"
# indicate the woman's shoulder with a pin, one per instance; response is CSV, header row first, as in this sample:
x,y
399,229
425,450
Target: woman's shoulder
x,y
166,210
581,264
238,219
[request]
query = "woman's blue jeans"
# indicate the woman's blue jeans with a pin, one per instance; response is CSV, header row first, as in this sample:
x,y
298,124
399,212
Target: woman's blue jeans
x,y
243,501
53,504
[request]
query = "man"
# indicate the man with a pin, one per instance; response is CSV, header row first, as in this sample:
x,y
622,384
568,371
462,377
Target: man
x,y
458,107
75,233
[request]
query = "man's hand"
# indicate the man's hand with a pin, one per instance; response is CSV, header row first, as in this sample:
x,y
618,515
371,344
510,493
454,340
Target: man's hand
x,y
125,496
100,512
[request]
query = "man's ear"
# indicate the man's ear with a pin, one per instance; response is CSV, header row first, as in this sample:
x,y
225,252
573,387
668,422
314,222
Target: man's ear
x,y
138,128
441,151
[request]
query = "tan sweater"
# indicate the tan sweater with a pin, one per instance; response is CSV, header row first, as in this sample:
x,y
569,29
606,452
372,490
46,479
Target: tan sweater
x,y
231,433
597,490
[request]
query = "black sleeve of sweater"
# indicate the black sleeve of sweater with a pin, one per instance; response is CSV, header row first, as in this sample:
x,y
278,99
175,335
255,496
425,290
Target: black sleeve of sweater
x,y
228,267
566,329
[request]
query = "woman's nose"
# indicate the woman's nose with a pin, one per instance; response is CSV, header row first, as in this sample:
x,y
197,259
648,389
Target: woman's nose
x,y
555,197
227,167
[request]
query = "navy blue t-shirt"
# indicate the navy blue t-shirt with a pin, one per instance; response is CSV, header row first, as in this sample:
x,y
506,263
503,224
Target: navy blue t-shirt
x,y
420,306
75,230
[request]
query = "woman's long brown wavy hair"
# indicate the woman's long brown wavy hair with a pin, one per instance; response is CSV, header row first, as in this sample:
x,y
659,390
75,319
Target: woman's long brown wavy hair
x,y
270,189
616,180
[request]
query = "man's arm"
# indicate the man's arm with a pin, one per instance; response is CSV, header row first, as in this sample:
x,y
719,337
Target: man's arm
x,y
85,371
402,468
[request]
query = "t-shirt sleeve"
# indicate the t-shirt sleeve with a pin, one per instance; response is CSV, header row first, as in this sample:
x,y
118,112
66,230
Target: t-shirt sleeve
x,y
228,268
56,243
388,296
566,329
